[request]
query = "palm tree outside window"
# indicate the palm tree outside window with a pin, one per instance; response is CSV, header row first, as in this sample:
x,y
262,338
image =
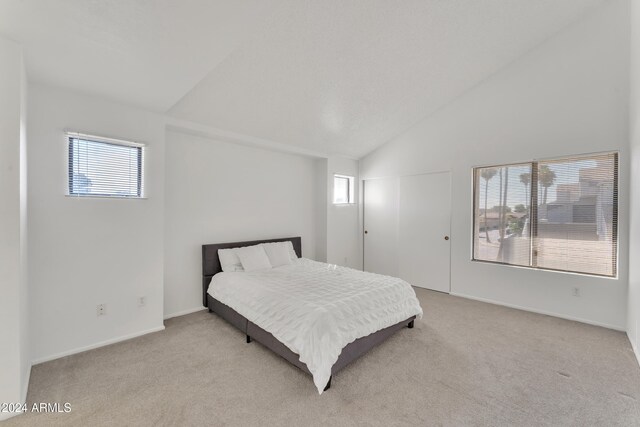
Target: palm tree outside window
x,y
562,217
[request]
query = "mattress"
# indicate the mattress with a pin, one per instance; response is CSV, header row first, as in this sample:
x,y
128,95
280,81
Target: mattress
x,y
316,309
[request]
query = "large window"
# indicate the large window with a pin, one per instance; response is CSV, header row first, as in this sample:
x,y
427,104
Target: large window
x,y
556,214
102,167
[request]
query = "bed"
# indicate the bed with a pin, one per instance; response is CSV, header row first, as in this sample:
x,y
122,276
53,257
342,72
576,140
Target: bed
x,y
267,316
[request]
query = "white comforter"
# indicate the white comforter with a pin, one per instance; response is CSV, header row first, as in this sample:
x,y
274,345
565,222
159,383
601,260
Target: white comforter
x,y
315,310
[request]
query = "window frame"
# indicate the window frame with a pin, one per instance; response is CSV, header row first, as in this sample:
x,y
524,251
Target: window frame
x,y
350,189
533,213
139,147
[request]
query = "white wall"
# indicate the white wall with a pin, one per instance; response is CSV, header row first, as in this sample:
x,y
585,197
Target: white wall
x,y
322,203
337,226
25,326
634,214
88,251
220,192
567,96
15,358
343,243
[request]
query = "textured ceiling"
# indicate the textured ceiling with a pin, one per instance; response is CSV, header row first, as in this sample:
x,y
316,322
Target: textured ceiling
x,y
346,76
334,76
147,53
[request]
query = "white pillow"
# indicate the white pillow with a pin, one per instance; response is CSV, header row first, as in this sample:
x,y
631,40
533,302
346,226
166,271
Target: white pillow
x,y
292,252
253,258
278,253
229,260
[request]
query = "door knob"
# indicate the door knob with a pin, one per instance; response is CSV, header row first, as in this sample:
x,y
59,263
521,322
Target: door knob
x,y
446,237
366,232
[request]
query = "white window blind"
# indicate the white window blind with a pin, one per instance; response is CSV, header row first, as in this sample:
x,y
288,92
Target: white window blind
x,y
559,214
102,167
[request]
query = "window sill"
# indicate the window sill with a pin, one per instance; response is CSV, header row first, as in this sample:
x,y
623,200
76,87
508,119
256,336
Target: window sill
x,y
96,196
550,270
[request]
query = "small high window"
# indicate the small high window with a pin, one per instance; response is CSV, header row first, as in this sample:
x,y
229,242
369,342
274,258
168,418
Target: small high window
x,y
103,167
343,190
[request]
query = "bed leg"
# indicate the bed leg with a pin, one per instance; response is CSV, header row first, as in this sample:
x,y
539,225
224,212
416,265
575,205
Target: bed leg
x,y
248,339
328,386
410,325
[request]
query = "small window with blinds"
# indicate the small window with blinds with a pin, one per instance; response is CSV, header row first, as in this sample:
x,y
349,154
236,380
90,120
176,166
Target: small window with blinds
x,y
343,190
103,167
559,214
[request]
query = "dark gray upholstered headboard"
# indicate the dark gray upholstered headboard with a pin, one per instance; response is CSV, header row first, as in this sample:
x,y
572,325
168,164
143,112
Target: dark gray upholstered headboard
x,y
211,262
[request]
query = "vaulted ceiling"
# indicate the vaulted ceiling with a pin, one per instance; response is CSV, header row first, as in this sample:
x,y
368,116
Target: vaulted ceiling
x,y
146,53
334,76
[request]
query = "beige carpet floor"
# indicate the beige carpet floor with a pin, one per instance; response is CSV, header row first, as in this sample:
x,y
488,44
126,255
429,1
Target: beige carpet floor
x,y
465,363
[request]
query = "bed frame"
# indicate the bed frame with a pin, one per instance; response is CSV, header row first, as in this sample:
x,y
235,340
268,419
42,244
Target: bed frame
x,y
211,266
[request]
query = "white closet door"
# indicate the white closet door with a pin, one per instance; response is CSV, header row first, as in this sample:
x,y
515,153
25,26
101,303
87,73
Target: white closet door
x,y
424,225
381,226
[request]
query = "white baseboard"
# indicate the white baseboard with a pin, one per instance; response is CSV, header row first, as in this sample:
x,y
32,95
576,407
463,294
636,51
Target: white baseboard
x,y
183,312
96,345
547,313
25,387
7,415
634,348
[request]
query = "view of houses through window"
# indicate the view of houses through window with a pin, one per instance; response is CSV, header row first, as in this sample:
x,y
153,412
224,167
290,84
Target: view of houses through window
x,y
559,214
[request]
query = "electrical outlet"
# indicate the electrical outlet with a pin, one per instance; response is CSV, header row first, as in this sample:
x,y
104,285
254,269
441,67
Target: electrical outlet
x,y
142,301
575,291
101,309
